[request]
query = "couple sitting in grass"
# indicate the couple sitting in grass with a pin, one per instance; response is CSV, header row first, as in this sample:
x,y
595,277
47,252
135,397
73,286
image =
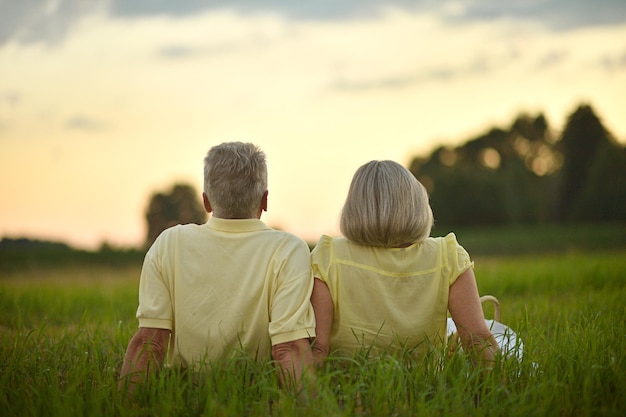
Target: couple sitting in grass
x,y
207,291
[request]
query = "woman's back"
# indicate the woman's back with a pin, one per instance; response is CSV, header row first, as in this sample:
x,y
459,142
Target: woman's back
x,y
388,298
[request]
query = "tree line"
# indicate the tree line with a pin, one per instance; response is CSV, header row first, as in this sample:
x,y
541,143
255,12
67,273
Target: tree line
x,y
521,175
529,174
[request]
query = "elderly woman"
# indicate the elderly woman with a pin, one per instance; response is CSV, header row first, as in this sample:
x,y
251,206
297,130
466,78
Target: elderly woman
x,y
386,285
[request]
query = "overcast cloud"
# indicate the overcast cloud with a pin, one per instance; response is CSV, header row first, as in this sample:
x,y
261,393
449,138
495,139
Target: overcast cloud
x,y
48,21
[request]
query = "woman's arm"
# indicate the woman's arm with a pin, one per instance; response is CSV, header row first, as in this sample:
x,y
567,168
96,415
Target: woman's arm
x,y
467,313
324,312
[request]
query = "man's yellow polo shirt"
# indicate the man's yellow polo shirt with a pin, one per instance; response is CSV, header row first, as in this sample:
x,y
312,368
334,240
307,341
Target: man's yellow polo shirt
x,y
224,286
389,299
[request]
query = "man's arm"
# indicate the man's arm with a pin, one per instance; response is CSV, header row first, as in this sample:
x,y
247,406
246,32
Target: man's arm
x,y
144,355
324,313
294,360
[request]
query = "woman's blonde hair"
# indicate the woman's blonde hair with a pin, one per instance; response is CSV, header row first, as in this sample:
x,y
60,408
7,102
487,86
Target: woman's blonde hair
x,y
386,206
235,179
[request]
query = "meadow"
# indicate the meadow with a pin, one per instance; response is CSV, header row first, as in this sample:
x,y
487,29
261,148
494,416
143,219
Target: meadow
x,y
64,331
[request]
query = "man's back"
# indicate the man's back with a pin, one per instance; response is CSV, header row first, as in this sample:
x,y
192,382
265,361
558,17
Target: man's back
x,y
231,284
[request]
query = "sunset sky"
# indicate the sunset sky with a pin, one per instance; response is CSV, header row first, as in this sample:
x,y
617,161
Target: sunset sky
x,y
104,102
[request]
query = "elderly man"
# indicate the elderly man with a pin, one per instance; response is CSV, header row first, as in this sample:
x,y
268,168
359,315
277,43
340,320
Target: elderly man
x,y
208,290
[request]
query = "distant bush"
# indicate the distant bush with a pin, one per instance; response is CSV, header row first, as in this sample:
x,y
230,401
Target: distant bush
x,y
23,253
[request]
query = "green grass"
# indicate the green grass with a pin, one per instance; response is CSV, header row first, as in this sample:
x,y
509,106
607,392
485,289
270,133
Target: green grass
x,y
538,238
63,333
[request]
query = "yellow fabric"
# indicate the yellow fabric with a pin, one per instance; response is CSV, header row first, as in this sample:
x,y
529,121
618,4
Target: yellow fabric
x,y
226,285
389,299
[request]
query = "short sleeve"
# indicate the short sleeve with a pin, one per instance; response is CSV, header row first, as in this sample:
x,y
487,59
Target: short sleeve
x,y
320,258
292,315
155,302
456,258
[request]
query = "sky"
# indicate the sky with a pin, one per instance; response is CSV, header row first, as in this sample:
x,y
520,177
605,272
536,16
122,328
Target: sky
x,y
105,102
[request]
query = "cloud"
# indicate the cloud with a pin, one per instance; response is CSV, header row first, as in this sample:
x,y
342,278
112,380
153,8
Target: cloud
x,y
28,21
84,123
49,21
404,81
389,83
297,10
554,14
232,34
614,63
176,52
476,66
183,51
10,97
552,58
558,14
9,100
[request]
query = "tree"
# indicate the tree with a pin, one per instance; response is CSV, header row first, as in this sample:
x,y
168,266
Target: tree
x,y
603,196
583,137
180,205
491,179
526,174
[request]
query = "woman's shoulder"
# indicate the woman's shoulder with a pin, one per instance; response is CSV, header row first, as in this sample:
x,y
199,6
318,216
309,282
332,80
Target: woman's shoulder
x,y
450,238
453,254
447,244
326,241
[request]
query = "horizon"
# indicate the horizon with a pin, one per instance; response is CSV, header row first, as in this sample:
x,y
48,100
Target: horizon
x,y
311,241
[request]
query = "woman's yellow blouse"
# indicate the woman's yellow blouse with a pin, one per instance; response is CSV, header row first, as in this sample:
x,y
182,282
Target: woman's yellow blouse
x,y
389,298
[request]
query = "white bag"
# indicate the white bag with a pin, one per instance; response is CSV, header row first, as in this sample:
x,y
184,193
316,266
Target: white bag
x,y
510,344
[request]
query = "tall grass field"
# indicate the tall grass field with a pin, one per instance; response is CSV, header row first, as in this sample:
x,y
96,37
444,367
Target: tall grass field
x,y
64,331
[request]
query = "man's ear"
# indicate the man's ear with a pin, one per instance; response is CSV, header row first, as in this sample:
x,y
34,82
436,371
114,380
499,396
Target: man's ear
x,y
207,203
262,206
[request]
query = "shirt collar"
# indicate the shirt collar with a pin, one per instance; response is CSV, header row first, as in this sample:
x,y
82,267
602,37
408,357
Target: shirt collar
x,y
236,225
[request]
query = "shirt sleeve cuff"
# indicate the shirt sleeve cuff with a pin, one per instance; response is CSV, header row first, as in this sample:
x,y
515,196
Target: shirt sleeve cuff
x,y
155,323
295,335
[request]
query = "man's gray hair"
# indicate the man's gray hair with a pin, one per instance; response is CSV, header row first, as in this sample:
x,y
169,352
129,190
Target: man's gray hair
x,y
235,179
386,206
